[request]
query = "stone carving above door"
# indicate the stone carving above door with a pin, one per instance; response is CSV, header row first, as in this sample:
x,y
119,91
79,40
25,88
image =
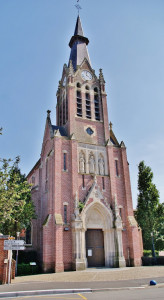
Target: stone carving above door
x,y
92,159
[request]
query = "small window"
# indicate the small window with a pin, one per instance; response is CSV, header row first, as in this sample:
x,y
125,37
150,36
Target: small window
x,y
87,87
88,105
65,165
66,109
83,180
120,212
60,115
46,169
33,180
103,183
116,166
28,236
64,112
97,105
65,214
78,85
89,131
79,103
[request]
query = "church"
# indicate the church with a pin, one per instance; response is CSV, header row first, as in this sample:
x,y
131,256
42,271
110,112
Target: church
x,y
81,184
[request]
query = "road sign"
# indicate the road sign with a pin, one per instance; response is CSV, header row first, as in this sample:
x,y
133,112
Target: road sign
x,y
14,242
14,245
11,247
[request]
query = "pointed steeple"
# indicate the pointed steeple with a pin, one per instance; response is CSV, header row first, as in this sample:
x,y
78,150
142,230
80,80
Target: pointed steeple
x,y
78,28
78,45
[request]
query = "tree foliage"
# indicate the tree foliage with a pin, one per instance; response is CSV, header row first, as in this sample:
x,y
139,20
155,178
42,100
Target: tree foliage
x,y
150,213
16,206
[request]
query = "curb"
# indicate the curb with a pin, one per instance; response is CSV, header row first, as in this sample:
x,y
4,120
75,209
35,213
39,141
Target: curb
x,y
43,292
69,291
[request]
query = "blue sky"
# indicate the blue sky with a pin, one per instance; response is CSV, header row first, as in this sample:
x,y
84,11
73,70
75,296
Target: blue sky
x,y
126,41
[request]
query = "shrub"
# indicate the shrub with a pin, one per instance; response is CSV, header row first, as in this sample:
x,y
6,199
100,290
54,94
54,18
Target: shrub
x,y
152,261
148,253
25,257
27,269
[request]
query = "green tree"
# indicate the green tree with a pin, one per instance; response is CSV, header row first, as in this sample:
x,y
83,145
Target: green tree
x,y
149,209
16,206
159,227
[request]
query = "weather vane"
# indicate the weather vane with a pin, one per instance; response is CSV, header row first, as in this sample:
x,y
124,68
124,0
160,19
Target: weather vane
x,y
78,6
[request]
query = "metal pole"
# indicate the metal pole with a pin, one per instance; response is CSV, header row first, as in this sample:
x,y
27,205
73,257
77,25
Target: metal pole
x,y
10,258
153,248
16,267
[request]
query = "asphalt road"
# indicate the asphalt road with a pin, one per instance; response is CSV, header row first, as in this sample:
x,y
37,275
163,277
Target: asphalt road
x,y
149,293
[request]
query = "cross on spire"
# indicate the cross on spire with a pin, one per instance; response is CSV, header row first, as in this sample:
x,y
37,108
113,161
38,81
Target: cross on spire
x,y
78,7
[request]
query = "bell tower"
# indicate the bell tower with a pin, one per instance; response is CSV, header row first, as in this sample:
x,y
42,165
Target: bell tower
x,y
81,96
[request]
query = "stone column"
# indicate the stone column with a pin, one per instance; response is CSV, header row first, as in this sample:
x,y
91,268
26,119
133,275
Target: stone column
x,y
120,260
109,247
78,234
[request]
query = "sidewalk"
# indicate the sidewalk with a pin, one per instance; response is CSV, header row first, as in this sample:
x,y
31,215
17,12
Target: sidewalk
x,y
88,280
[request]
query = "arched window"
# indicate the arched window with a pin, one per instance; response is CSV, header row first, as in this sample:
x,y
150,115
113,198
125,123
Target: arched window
x,y
79,103
60,114
88,105
87,87
97,105
78,85
64,111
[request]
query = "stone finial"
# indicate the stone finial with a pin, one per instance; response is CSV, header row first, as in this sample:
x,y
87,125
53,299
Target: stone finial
x,y
59,88
101,77
57,133
109,143
110,125
73,137
95,179
70,71
48,113
122,145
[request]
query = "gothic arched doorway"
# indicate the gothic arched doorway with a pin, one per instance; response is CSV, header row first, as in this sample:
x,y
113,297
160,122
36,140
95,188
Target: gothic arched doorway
x,y
100,245
95,248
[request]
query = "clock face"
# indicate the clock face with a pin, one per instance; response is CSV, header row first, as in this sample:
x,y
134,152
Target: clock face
x,y
86,75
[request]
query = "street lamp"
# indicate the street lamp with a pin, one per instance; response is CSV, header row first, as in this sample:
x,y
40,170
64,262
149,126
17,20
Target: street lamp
x,y
153,249
16,267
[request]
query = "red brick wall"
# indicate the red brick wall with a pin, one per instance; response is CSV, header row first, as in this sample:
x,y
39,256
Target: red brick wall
x,y
53,242
3,264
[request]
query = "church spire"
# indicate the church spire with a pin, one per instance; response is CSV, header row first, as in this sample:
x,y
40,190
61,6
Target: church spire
x,y
78,28
78,45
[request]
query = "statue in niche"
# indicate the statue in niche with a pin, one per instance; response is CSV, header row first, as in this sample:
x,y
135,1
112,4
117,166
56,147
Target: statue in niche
x,y
91,164
82,164
101,165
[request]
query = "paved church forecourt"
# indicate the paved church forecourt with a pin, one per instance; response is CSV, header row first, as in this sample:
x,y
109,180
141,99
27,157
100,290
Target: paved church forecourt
x,y
81,183
90,279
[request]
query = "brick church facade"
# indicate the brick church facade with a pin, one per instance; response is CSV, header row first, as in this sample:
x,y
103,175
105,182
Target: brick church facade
x,y
81,184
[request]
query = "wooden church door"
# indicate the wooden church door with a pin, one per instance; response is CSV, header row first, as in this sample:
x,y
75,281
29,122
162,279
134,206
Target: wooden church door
x,y
95,248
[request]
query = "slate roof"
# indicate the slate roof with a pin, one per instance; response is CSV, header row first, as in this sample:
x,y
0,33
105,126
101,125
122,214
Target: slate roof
x,y
78,45
61,130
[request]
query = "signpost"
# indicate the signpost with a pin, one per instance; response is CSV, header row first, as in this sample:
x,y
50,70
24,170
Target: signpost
x,y
11,245
14,245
